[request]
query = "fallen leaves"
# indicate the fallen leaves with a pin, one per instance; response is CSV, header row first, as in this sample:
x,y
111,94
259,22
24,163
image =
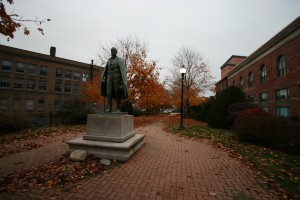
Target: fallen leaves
x,y
29,139
49,175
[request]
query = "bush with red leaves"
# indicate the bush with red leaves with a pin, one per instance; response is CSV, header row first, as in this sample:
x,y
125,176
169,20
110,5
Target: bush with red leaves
x,y
262,128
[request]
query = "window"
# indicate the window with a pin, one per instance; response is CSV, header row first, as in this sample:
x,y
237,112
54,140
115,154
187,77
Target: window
x,y
32,69
76,88
251,98
85,77
31,84
57,87
250,79
282,95
43,85
41,104
29,104
57,105
3,103
280,66
233,83
44,71
77,76
68,75
263,101
58,73
19,84
263,74
6,65
20,67
17,103
241,83
67,88
4,82
263,97
283,111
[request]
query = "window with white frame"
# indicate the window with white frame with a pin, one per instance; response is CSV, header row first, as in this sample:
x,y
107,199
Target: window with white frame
x,y
283,111
57,87
250,79
77,76
3,103
263,74
58,73
282,95
44,71
85,77
20,67
32,69
29,104
17,104
4,82
280,66
6,65
57,105
76,88
19,84
68,74
42,85
31,84
41,104
241,83
67,87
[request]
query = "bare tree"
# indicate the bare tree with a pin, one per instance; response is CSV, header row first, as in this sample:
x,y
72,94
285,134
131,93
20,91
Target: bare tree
x,y
126,47
197,79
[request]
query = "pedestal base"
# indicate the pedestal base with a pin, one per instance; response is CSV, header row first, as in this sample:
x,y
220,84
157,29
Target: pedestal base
x,y
109,150
109,136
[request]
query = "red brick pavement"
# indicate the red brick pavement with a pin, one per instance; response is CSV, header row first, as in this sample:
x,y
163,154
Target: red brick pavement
x,y
170,167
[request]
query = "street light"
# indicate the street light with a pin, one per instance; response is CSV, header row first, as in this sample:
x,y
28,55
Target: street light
x,y
182,72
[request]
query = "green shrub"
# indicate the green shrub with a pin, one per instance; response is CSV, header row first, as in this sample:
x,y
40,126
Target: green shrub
x,y
195,112
259,127
217,116
205,108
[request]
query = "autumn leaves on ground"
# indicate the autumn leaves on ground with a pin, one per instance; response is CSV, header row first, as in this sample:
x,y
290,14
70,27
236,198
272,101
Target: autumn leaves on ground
x,y
63,172
280,171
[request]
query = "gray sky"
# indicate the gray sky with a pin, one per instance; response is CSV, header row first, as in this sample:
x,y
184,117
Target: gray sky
x,y
215,28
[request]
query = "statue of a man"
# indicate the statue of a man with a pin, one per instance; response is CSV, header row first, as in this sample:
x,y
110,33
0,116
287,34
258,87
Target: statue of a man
x,y
113,81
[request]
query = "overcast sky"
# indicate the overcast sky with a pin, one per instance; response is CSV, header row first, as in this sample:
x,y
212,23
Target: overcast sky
x,y
215,28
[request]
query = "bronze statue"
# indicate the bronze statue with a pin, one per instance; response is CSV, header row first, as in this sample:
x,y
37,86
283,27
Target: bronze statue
x,y
113,81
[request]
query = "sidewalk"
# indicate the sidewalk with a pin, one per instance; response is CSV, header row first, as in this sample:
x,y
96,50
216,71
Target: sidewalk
x,y
170,167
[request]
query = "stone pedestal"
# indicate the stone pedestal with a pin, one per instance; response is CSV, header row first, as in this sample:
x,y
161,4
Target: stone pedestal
x,y
110,136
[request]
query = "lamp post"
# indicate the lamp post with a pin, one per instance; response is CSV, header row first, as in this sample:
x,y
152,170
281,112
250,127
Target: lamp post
x,y
182,72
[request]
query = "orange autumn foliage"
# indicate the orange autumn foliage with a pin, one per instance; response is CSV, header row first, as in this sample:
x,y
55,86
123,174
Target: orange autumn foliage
x,y
91,90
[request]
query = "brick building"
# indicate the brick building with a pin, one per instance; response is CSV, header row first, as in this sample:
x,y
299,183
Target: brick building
x,y
270,76
31,81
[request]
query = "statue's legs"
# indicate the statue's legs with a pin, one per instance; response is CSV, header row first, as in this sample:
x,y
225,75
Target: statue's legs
x,y
112,88
109,86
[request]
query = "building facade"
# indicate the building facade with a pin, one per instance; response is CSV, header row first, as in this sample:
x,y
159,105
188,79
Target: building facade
x,y
31,81
270,76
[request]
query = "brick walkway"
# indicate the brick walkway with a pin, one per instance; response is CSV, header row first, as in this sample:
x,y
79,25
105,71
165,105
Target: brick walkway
x,y
170,167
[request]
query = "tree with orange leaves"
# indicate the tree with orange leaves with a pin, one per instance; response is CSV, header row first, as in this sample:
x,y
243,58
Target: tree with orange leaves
x,y
142,73
91,90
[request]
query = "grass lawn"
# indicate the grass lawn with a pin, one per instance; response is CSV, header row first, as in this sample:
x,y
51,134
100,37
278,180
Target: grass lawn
x,y
279,170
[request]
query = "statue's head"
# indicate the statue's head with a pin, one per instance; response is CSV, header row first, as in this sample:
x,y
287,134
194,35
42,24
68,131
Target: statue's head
x,y
114,52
